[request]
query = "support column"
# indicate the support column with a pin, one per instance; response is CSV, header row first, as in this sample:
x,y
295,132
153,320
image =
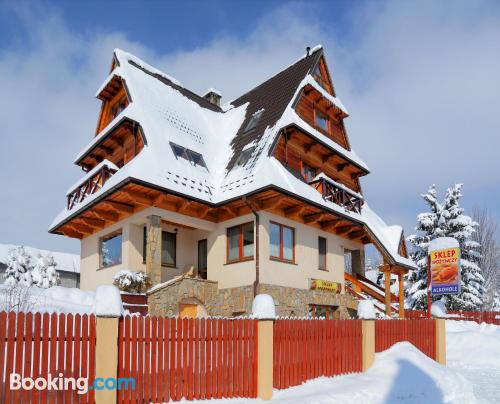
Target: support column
x,y
265,359
387,284
368,343
401,296
440,341
153,249
106,358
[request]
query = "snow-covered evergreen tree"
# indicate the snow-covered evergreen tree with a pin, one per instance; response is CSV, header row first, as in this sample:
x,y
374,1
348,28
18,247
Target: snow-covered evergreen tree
x,y
19,268
428,226
496,302
44,272
461,227
445,220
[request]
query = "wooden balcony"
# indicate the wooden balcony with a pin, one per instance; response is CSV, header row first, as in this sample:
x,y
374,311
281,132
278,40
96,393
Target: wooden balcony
x,y
90,185
333,193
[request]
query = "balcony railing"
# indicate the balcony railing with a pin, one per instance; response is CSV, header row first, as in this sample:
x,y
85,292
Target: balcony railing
x,y
336,194
90,185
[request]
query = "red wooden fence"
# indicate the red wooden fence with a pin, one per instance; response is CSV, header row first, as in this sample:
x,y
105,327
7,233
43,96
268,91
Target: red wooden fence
x,y
171,358
306,349
419,332
490,317
36,345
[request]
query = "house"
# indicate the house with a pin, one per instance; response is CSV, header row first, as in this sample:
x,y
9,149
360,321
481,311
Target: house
x,y
68,265
220,202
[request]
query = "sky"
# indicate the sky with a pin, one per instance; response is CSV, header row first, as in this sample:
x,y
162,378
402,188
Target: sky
x,y
420,79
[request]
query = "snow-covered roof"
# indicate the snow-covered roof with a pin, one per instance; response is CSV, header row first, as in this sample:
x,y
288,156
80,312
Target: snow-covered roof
x,y
65,261
169,113
212,90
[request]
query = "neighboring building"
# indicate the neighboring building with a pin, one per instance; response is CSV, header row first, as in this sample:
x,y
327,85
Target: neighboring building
x,y
218,203
68,265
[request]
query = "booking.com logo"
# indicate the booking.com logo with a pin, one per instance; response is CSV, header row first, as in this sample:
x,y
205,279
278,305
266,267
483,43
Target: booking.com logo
x,y
59,382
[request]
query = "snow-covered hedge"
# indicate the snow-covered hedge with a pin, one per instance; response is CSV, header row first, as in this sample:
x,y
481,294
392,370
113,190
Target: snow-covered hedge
x,y
130,281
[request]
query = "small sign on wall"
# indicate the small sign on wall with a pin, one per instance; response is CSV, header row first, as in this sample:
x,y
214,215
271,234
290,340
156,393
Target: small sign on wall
x,y
444,261
319,284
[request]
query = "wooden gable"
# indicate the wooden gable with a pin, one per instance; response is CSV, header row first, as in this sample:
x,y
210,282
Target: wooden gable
x,y
321,74
115,98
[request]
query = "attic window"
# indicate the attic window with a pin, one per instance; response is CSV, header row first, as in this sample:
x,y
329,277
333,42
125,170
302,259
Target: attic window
x,y
196,159
254,120
245,156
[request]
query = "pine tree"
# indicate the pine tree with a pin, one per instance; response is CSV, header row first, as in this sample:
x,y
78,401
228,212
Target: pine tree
x,y
44,272
461,227
19,268
496,302
445,220
428,226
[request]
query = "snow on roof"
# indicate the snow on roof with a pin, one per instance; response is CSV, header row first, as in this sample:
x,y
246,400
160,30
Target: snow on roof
x,y
65,261
212,90
168,113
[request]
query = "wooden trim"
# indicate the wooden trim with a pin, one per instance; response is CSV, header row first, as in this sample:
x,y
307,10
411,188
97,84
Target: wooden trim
x,y
281,257
240,258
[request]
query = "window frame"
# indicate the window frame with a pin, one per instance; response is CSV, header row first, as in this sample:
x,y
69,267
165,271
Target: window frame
x,y
303,166
281,257
254,120
326,118
106,238
241,257
145,243
320,240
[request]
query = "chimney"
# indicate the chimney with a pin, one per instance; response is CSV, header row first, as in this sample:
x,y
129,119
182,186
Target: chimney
x,y
213,96
308,49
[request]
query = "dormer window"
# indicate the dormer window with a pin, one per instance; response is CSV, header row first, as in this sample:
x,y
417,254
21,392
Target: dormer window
x,y
254,120
196,159
245,156
321,120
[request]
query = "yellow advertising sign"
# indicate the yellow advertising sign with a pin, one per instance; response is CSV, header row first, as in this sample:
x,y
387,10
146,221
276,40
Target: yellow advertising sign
x,y
445,271
325,285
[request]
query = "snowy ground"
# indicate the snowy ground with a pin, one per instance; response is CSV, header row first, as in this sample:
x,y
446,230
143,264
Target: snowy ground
x,y
402,374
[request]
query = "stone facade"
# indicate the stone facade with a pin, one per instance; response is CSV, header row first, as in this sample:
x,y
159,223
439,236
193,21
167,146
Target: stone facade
x,y
165,300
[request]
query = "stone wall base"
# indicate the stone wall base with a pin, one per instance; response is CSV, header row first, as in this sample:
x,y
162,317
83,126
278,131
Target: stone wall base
x,y
166,300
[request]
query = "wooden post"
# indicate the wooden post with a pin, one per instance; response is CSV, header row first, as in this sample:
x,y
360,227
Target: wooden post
x,y
440,340
368,343
387,284
153,249
106,358
265,359
401,296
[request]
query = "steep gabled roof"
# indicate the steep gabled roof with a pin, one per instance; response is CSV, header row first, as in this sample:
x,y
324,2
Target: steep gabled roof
x,y
168,113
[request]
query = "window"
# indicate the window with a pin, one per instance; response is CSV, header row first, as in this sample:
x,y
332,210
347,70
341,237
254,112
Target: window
x,y
240,242
244,156
322,253
168,248
282,242
196,159
111,250
308,173
254,120
321,120
202,258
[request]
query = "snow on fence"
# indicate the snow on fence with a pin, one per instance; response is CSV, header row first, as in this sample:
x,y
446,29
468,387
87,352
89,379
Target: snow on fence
x,y
306,349
489,317
419,332
171,358
36,345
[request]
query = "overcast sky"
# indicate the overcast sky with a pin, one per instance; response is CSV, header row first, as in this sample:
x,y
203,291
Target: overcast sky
x,y
421,81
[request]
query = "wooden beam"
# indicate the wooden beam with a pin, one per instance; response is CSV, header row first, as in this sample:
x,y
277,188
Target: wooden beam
x,y
81,228
72,233
294,210
139,197
328,157
203,211
182,205
329,224
271,203
93,222
106,215
314,217
355,233
120,207
341,167
106,149
343,229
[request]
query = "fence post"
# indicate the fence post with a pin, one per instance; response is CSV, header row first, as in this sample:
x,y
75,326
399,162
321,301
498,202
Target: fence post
x,y
265,359
440,340
108,309
368,343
